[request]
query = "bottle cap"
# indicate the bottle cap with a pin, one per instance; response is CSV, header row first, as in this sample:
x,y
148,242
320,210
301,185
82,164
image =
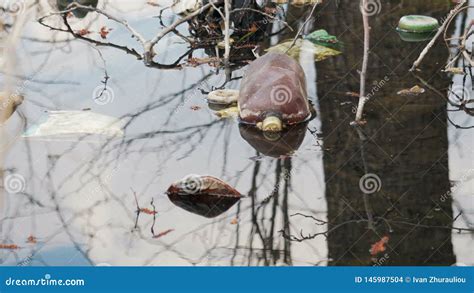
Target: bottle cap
x,y
272,124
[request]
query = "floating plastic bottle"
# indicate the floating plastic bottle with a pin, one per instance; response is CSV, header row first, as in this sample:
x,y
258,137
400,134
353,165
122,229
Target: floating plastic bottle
x,y
418,24
273,93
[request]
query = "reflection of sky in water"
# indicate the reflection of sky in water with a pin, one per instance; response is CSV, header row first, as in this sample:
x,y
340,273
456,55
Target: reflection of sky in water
x,y
99,216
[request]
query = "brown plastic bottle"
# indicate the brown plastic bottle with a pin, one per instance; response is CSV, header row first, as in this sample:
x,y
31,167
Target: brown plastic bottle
x,y
273,93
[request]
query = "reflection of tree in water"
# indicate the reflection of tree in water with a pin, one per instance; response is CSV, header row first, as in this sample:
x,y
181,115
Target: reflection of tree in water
x,y
275,250
403,144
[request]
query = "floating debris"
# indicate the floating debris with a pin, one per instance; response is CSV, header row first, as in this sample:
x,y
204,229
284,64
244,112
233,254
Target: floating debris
x,y
231,112
417,28
68,125
9,246
203,195
223,97
414,91
323,38
455,70
418,24
161,234
147,211
320,52
31,239
273,93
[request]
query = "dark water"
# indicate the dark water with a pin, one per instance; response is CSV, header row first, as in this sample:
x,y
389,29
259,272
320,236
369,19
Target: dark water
x,y
308,208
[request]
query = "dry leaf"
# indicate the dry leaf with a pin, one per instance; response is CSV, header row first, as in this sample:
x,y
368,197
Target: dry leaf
x,y
455,70
414,91
379,246
161,234
104,32
253,28
148,211
152,3
32,240
83,32
234,221
352,94
9,246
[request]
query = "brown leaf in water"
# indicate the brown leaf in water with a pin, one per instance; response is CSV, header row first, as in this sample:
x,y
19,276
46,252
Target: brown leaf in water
x,y
253,28
32,240
414,91
161,234
152,3
455,70
379,246
207,196
104,32
148,211
352,94
9,246
195,108
83,32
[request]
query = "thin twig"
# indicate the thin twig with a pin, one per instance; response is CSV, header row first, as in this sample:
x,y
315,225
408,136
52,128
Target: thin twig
x,y
441,29
363,73
300,31
227,32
